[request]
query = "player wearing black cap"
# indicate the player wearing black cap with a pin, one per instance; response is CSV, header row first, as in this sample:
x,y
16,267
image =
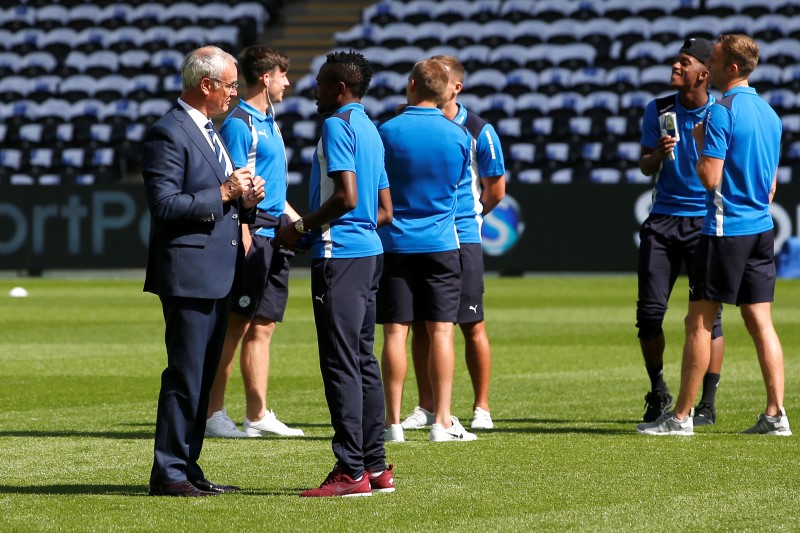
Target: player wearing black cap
x,y
671,232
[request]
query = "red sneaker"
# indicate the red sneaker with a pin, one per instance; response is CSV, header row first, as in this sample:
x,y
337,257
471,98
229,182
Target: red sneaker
x,y
340,484
383,482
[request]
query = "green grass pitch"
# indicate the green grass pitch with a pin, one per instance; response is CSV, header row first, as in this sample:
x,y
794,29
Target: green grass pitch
x,y
79,375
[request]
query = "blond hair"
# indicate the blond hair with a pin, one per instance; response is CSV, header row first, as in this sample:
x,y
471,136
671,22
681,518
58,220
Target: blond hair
x,y
430,78
740,50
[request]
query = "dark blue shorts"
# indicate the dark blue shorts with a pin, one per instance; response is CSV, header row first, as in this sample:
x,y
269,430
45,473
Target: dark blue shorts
x,y
261,287
419,287
734,270
470,308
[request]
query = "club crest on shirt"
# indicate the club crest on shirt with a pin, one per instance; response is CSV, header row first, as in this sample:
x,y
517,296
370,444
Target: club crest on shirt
x,y
244,301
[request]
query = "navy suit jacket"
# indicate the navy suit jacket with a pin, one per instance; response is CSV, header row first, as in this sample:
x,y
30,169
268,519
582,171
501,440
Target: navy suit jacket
x,y
194,238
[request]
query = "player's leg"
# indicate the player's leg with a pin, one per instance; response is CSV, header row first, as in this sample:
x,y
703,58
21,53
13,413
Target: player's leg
x,y
477,351
420,345
254,360
237,326
393,369
658,268
441,366
395,310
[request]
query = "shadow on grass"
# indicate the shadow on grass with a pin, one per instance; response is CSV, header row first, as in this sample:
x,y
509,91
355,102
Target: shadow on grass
x,y
124,490
140,435
545,426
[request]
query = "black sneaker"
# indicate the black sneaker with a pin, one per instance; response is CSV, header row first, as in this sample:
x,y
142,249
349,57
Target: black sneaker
x,y
705,414
656,403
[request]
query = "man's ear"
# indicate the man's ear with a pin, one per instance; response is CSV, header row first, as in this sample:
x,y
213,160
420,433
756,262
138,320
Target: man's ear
x,y
458,87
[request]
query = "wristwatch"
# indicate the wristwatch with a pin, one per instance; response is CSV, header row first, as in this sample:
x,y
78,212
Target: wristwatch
x,y
298,225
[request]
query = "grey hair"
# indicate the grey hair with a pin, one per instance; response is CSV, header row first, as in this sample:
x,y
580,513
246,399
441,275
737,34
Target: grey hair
x,y
205,62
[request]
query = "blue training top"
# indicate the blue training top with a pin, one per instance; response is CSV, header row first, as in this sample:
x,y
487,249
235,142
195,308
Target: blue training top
x,y
349,142
486,161
744,131
254,141
678,190
427,156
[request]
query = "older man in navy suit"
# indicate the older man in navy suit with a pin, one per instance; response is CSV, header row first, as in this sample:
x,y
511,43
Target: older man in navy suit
x,y
197,203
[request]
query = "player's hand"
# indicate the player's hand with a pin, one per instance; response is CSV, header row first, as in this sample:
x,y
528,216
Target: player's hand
x,y
666,145
254,194
236,185
286,236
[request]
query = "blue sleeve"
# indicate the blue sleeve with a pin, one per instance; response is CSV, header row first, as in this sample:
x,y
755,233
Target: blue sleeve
x,y
718,126
490,153
650,129
238,139
339,145
383,182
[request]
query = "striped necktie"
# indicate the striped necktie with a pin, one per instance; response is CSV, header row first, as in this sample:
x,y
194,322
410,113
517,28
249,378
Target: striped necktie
x,y
217,146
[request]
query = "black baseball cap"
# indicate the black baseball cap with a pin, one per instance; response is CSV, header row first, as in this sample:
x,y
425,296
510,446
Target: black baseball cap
x,y
698,48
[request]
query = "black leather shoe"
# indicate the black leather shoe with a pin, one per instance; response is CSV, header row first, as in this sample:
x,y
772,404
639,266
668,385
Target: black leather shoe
x,y
208,486
179,488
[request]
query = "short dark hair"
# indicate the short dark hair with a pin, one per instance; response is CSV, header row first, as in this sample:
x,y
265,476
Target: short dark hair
x,y
255,61
352,68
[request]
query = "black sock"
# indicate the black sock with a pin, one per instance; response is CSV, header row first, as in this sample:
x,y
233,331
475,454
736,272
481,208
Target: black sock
x,y
710,384
656,374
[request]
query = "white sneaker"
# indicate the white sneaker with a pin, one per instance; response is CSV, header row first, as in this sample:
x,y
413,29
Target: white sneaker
x,y
270,424
418,419
667,424
481,419
455,432
771,425
219,425
394,434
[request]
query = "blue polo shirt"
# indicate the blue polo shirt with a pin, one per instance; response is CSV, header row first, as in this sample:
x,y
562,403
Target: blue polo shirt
x,y
744,131
254,141
349,142
678,190
427,156
486,161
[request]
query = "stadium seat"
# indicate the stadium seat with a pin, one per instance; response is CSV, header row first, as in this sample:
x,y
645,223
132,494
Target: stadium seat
x,y
521,81
756,8
84,16
25,41
43,87
484,82
529,32
737,24
604,175
37,64
555,80
517,10
589,79
453,11
15,87
462,34
623,78
382,13
655,78
702,26
505,58
50,17
495,33
781,100
780,52
766,77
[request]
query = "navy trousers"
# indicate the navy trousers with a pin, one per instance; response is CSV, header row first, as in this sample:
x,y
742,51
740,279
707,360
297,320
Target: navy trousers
x,y
343,294
194,334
